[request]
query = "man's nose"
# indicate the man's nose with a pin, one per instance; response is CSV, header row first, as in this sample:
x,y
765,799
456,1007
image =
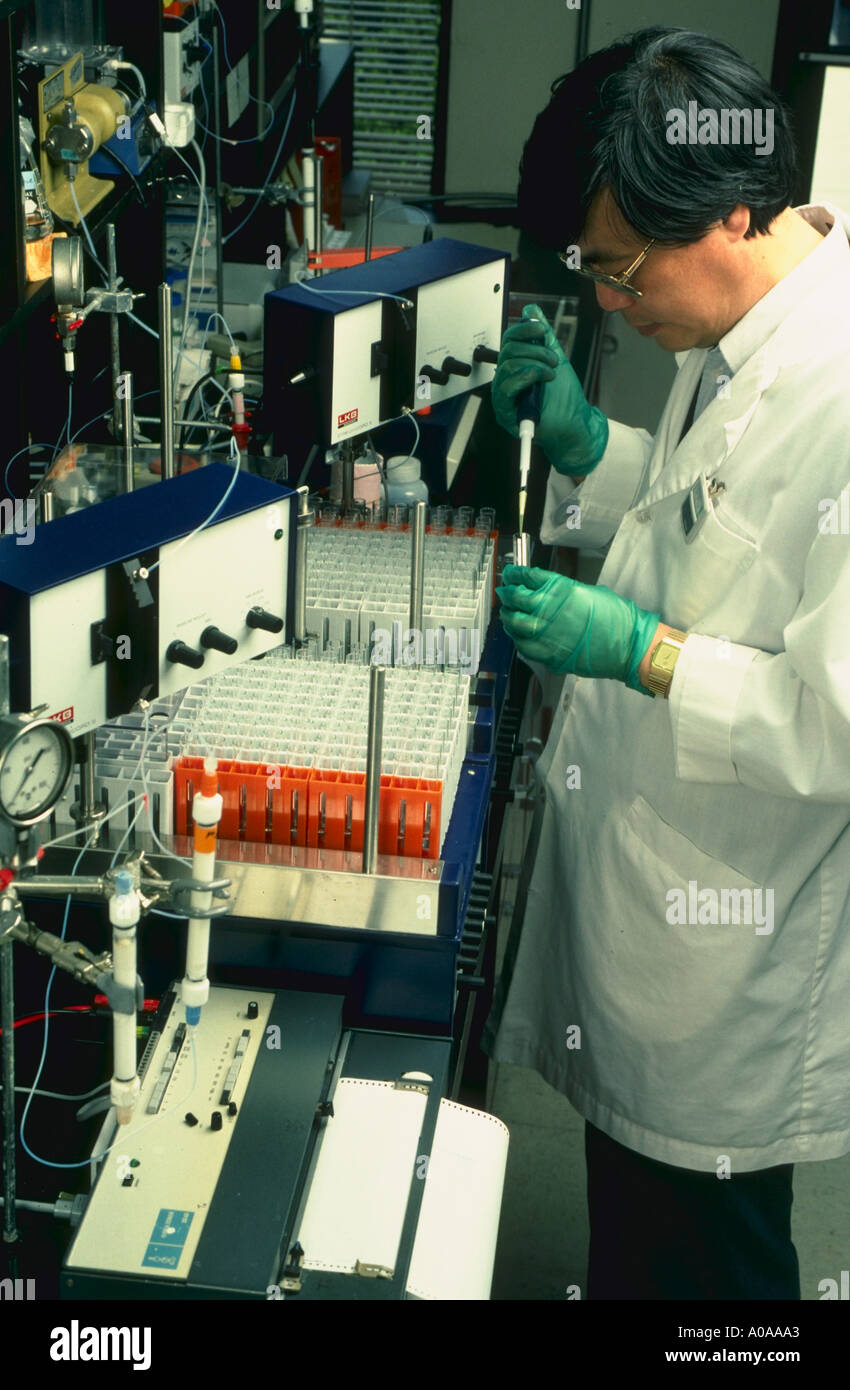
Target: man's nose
x,y
610,299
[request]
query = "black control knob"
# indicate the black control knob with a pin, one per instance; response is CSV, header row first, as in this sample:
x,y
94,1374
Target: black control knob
x,y
258,617
485,354
215,1120
231,1107
434,374
190,1118
218,640
455,368
253,1009
187,656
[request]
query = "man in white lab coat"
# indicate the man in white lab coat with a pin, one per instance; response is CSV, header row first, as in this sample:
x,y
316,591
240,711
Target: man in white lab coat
x,y
683,974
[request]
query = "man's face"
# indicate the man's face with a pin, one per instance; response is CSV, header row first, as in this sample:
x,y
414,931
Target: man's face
x,y
687,292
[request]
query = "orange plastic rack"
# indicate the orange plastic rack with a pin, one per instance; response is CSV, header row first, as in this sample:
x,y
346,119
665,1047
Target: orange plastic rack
x,y
270,803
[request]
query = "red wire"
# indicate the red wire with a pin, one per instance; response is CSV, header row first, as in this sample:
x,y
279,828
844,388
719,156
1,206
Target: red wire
x,y
100,1000
34,1018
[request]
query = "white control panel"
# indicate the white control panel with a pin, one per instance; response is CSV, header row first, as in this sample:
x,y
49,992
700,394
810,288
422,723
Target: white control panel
x,y
147,1212
454,317
355,393
222,599
227,578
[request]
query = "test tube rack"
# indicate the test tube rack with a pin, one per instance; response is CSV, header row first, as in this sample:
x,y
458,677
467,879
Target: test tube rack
x,y
290,738
358,594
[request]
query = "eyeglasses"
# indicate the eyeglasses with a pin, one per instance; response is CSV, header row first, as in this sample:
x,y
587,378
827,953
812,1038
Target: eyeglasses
x,y
615,282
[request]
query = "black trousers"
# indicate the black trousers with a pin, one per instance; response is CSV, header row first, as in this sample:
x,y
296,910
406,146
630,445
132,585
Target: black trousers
x,y
659,1232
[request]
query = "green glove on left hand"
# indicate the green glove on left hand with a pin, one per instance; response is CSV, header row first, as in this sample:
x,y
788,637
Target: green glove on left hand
x,y
581,628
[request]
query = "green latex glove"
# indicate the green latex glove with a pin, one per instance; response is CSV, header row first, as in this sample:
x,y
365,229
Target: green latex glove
x,y
583,628
572,433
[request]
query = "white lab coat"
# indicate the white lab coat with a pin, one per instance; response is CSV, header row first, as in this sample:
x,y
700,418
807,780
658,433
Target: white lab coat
x,y
707,1039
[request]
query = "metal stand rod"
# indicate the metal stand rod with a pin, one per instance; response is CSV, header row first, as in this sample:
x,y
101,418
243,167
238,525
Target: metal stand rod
x,y
318,161
127,432
370,218
87,812
87,778
305,519
7,1051
417,573
377,677
347,475
308,196
166,381
219,244
114,345
45,502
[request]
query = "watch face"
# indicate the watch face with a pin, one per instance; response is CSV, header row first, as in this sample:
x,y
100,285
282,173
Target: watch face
x,y
665,657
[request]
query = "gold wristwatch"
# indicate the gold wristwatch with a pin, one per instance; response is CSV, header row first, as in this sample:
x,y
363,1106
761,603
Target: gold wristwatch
x,y
662,662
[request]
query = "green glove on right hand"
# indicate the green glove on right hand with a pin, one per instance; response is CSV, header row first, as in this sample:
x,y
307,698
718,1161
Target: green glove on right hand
x,y
573,434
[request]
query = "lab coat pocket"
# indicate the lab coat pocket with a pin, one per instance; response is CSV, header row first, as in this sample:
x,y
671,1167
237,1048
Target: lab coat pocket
x,y
693,925
696,575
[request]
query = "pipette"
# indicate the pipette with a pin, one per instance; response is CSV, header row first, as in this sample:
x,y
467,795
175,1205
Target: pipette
x,y
529,405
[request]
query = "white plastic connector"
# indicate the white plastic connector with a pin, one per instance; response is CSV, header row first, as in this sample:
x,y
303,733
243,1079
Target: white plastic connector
x,y
158,127
180,123
123,1095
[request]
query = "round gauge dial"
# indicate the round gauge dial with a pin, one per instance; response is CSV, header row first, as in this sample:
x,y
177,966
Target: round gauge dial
x,y
35,764
67,270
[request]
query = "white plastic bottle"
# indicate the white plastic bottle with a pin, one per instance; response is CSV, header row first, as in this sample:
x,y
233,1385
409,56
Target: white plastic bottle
x,y
405,485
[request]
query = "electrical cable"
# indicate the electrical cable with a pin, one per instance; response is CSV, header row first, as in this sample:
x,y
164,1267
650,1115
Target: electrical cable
x,y
197,386
66,430
130,825
72,834
114,65
254,138
369,294
100,267
113,154
170,853
63,1095
234,454
12,460
203,212
105,414
37,1018
275,158
211,319
86,231
47,1162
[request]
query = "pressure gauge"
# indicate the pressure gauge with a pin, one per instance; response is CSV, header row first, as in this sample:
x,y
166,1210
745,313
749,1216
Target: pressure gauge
x,y
36,757
67,269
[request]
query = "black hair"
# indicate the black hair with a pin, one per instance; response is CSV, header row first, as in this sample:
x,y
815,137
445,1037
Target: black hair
x,y
607,126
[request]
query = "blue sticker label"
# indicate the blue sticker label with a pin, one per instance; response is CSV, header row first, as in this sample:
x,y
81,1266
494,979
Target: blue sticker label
x,y
167,1239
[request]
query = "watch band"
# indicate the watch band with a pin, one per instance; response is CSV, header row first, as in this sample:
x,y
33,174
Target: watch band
x,y
662,662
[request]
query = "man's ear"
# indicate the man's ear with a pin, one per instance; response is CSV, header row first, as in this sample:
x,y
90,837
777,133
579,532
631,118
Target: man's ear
x,y
737,224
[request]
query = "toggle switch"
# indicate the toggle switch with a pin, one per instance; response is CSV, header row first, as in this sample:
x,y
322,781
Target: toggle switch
x,y
258,617
186,656
485,354
456,368
434,374
218,640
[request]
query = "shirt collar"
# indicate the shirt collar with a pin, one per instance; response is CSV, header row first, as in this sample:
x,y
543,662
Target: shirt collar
x,y
830,259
